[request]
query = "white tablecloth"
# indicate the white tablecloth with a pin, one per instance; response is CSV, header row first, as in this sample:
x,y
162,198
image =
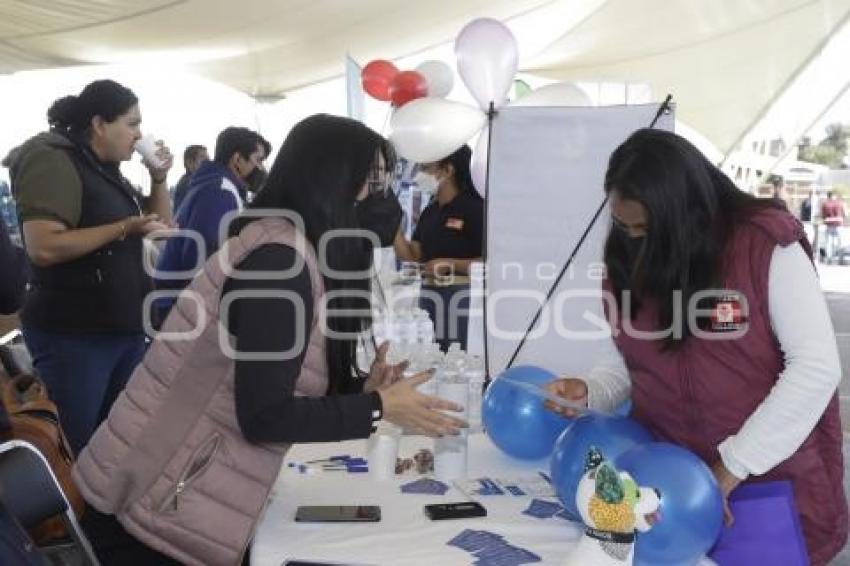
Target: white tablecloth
x,y
404,536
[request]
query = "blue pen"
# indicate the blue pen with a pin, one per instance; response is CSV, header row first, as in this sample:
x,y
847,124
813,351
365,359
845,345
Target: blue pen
x,y
349,469
359,462
340,458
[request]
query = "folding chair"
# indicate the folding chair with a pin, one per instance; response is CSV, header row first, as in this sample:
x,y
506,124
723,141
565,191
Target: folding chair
x,y
32,494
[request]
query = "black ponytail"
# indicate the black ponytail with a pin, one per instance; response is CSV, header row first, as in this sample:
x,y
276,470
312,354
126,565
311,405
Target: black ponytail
x,y
104,98
460,161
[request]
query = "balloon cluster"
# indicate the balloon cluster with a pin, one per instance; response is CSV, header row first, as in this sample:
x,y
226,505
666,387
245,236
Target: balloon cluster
x,y
691,508
426,127
429,129
383,81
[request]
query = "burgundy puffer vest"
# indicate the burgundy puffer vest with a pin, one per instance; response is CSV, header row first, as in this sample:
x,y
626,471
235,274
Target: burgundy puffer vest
x,y
702,393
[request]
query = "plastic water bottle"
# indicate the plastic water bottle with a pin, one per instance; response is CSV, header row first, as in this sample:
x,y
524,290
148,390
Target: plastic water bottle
x,y
424,327
474,370
450,452
380,327
454,353
425,360
409,328
362,357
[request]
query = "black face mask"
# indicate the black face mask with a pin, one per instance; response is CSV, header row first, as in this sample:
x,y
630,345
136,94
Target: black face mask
x,y
256,178
380,213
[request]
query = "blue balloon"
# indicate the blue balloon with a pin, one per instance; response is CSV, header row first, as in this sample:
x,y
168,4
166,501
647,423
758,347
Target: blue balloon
x,y
516,420
611,434
691,504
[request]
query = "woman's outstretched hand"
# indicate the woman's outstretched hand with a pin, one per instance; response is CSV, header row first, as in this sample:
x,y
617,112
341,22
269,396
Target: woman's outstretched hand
x,y
417,412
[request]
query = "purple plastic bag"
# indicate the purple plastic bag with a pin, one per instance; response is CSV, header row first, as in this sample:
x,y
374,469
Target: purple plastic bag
x,y
766,528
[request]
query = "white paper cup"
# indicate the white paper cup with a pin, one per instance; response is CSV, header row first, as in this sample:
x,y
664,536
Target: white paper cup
x,y
147,148
383,451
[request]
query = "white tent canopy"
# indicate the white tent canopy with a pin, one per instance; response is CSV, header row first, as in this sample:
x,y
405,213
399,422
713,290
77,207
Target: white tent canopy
x,y
725,61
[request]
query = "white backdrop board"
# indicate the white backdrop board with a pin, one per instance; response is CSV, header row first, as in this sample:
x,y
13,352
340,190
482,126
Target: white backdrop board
x,y
547,167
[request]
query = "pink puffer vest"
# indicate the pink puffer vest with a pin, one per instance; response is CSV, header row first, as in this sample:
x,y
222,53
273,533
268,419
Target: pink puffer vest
x,y
701,394
170,461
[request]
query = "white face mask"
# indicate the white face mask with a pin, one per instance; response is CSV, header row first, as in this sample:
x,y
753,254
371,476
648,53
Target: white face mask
x,y
427,183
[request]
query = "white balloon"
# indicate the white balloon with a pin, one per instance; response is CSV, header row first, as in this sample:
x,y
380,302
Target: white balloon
x,y
558,94
487,60
478,165
439,76
428,129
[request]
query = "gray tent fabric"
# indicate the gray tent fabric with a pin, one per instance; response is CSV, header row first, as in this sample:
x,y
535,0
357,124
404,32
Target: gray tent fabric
x,y
725,61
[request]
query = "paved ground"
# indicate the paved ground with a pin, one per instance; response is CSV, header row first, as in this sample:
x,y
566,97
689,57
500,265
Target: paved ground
x,y
836,283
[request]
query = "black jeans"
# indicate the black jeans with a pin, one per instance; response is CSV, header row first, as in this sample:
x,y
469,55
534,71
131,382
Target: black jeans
x,y
115,546
448,308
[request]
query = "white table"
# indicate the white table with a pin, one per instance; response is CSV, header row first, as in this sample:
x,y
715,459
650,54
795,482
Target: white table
x,y
404,536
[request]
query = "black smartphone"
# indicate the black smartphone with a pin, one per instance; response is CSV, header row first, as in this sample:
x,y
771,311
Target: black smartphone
x,y
462,510
338,514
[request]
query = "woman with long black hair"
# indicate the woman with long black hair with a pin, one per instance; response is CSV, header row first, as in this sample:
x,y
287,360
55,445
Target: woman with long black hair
x,y
257,353
83,225
724,339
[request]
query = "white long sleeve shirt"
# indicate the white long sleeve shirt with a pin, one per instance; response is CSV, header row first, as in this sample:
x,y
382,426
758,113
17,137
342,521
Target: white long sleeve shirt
x,y
776,429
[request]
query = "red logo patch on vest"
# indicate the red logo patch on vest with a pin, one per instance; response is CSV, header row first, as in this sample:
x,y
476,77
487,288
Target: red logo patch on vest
x,y
727,314
454,223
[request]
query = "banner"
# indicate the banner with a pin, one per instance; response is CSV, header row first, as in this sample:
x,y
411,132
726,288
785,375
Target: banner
x,y
547,167
353,89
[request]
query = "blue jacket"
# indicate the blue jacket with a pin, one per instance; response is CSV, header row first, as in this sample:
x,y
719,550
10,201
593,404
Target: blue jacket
x,y
213,192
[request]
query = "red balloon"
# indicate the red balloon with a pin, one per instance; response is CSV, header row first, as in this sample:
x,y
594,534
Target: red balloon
x,y
377,76
407,86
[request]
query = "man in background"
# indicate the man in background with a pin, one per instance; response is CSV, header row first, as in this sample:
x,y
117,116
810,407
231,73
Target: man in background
x,y
806,208
217,188
833,214
193,156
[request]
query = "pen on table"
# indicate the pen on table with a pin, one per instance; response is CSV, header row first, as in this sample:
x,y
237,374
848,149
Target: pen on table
x,y
340,458
349,469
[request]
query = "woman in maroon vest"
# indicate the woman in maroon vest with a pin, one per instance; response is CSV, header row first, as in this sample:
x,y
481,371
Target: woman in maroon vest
x,y
723,339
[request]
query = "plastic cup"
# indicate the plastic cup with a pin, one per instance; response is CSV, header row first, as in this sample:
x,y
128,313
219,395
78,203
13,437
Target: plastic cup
x,y
147,148
383,452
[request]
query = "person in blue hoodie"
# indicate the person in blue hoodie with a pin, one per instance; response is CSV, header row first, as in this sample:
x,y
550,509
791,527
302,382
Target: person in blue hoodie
x,y
218,187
